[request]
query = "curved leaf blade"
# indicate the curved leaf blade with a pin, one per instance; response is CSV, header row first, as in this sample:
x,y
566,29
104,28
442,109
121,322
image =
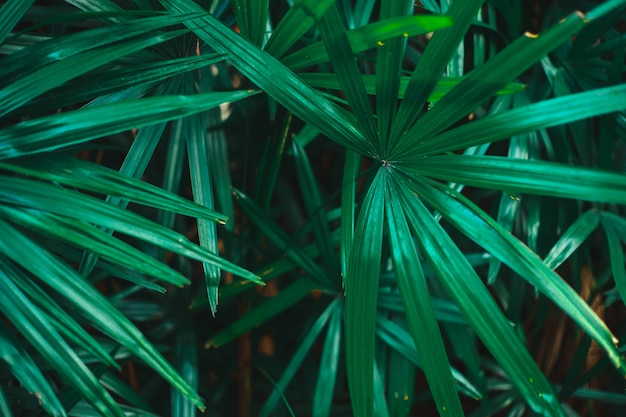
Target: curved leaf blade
x,y
65,129
361,292
525,176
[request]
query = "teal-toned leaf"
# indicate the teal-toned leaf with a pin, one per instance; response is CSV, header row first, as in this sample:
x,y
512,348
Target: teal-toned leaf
x,y
401,376
278,236
311,334
17,64
368,37
526,176
120,388
85,208
298,20
472,221
348,194
107,81
487,79
509,204
445,310
98,179
469,293
36,83
380,405
389,59
616,255
361,289
202,187
36,329
65,129
315,207
21,364
60,319
83,409
275,305
252,19
431,66
264,70
220,167
399,339
525,119
5,408
573,237
273,154
327,377
87,237
345,66
419,311
10,14
443,86
185,360
89,301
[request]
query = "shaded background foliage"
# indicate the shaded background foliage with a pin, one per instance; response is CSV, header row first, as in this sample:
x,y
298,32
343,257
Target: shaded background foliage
x,y
329,148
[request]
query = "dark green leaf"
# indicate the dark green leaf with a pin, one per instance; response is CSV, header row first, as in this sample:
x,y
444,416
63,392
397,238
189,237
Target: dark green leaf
x,y
526,176
264,70
65,129
417,306
361,288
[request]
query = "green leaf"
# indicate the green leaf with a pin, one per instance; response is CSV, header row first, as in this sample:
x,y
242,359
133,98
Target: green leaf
x,y
431,65
270,164
525,176
443,86
616,255
185,360
484,81
417,306
481,228
298,20
275,305
22,366
469,293
61,320
90,302
368,37
89,209
202,187
389,59
345,66
107,81
10,15
99,179
361,291
65,129
399,339
252,19
264,70
36,329
573,237
524,119
348,193
5,408
278,236
315,207
310,336
22,62
88,237
328,368
401,376
36,83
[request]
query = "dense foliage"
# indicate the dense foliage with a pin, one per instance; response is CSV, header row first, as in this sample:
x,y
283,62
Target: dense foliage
x,y
401,208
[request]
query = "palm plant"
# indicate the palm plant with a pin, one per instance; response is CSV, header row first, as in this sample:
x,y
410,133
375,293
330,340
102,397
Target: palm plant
x,y
404,199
